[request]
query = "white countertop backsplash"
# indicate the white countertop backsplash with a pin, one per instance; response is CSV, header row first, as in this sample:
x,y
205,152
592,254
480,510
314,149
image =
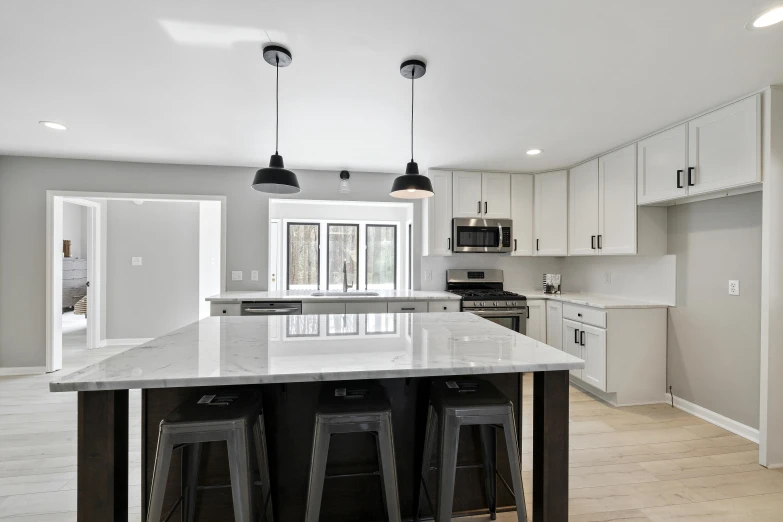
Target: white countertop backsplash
x,y
219,351
590,299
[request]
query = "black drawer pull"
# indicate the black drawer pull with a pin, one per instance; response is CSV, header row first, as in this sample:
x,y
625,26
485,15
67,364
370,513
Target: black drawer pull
x,y
690,176
515,245
407,308
576,336
582,340
679,180
600,241
592,242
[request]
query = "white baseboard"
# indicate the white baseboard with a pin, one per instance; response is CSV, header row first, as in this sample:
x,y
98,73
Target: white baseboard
x,y
22,370
610,398
124,342
775,466
752,434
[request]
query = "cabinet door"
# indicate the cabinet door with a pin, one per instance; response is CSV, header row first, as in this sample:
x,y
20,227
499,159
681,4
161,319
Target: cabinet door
x,y
443,306
437,215
583,210
661,166
522,214
594,351
554,324
571,338
310,308
617,202
365,307
496,192
724,147
551,214
467,195
536,321
407,307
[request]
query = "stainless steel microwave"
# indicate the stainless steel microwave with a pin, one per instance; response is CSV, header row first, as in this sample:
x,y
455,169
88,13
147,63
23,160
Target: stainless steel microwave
x,y
481,235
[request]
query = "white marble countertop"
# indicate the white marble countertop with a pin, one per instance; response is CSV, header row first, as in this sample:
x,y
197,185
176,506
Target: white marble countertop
x,y
593,300
305,295
299,348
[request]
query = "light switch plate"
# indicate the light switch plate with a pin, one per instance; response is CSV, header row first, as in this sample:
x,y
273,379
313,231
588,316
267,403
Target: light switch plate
x,y
428,275
733,287
254,275
608,278
135,261
236,275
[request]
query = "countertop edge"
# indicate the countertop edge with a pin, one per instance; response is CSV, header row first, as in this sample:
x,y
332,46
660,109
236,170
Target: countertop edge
x,y
332,298
595,301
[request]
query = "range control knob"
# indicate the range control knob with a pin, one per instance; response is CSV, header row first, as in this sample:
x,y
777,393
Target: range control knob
x,y
496,303
481,304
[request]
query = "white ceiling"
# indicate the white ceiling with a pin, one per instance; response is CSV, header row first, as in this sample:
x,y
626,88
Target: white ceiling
x,y
184,81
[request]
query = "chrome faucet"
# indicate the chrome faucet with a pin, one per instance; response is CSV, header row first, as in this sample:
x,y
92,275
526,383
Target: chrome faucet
x,y
345,276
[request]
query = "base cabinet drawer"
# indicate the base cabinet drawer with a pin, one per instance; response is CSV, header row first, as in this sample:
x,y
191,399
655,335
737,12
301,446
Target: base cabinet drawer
x,y
443,306
583,314
322,308
225,309
369,307
407,307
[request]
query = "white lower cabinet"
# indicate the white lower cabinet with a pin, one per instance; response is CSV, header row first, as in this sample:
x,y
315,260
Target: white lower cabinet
x,y
536,320
571,344
363,307
225,309
407,307
444,306
554,324
593,342
309,308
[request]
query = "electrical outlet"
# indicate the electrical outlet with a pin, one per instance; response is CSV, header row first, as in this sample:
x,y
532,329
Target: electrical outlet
x,y
428,275
236,275
135,261
733,287
608,278
254,275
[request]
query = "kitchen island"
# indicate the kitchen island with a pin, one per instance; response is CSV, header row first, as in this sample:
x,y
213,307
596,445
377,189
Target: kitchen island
x,y
288,356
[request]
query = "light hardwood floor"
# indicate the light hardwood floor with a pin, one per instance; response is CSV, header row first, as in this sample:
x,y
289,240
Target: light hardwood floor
x,y
637,464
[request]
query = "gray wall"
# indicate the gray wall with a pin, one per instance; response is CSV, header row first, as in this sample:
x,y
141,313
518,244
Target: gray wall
x,y
714,338
23,185
162,294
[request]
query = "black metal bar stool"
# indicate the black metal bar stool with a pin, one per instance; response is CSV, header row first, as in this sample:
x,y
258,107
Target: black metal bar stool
x,y
235,417
461,402
353,407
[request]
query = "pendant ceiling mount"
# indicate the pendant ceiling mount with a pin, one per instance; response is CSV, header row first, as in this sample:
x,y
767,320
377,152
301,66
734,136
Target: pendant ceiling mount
x,y
413,69
276,179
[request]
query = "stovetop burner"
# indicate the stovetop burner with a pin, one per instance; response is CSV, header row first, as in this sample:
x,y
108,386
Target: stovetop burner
x,y
485,293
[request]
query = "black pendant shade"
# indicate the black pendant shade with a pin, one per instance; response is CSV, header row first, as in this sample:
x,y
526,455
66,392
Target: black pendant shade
x,y
276,179
412,185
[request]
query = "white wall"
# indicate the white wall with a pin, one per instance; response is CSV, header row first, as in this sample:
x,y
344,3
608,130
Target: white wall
x,y
521,273
74,229
209,253
162,294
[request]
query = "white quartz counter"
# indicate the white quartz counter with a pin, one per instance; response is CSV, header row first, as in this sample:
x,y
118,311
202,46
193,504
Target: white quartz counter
x,y
299,348
306,295
593,300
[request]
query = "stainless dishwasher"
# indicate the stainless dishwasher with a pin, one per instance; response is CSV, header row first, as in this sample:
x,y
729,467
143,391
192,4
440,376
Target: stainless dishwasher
x,y
271,308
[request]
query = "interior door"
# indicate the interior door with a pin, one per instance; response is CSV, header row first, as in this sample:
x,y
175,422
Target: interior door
x,y
583,210
617,202
522,214
661,166
468,202
551,214
594,349
571,339
724,147
438,209
496,191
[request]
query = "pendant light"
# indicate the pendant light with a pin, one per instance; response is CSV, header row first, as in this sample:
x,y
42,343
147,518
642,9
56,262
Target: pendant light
x,y
345,185
276,179
412,185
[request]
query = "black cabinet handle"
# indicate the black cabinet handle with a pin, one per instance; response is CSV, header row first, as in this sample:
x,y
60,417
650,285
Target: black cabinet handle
x,y
582,338
537,245
576,336
679,180
407,309
600,241
479,208
592,242
485,207
449,240
690,176
515,245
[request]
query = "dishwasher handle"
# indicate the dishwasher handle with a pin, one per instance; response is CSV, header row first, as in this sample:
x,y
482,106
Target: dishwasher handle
x,y
269,311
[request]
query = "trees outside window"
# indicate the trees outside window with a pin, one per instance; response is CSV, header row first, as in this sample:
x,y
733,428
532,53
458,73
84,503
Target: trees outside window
x,y
303,258
381,266
343,250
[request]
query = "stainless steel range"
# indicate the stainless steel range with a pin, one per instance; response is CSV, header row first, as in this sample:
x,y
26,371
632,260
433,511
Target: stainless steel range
x,y
482,294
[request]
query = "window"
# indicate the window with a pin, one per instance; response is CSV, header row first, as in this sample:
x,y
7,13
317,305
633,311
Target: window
x,y
381,265
343,250
303,258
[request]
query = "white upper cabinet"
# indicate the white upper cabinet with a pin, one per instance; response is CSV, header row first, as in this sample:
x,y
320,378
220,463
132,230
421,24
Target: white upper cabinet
x,y
437,212
583,210
496,195
661,166
550,225
467,195
617,210
724,147
522,214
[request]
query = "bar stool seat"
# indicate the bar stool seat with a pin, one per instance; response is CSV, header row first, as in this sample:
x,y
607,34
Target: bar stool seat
x,y
458,402
353,407
235,417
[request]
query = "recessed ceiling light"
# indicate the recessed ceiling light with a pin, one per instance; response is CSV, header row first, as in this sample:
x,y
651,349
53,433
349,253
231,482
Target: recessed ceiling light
x,y
53,125
766,18
534,152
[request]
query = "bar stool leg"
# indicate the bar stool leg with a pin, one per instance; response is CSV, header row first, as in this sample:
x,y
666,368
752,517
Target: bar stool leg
x,y
429,445
317,471
386,459
489,456
259,432
191,461
447,466
239,469
160,474
510,431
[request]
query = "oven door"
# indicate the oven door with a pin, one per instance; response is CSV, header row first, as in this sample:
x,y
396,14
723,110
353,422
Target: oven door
x,y
482,235
514,319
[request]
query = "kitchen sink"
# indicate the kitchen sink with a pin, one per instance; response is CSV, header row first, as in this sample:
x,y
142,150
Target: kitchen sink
x,y
336,293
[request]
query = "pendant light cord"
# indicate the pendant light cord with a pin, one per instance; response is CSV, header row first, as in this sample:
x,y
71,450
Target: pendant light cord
x,y
277,99
412,80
